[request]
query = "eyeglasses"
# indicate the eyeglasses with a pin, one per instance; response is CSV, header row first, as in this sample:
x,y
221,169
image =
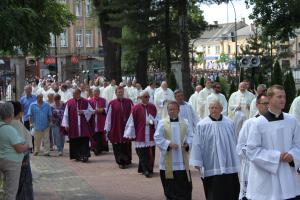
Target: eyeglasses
x,y
146,96
265,103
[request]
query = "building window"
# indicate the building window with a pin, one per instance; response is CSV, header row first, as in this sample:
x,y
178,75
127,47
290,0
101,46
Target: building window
x,y
285,64
228,49
52,40
78,8
208,49
64,39
88,8
89,38
218,49
79,39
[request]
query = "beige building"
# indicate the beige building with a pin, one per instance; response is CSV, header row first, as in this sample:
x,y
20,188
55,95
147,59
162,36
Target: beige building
x,y
78,47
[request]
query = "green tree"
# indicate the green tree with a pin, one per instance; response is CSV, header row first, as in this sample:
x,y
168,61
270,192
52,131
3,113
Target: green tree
x,y
26,25
276,75
290,89
232,88
171,80
278,18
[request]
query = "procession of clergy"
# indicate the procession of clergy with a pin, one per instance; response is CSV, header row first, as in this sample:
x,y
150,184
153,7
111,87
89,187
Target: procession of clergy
x,y
246,148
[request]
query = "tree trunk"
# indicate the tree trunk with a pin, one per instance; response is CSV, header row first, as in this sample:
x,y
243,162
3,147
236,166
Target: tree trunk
x,y
167,36
184,46
141,68
112,52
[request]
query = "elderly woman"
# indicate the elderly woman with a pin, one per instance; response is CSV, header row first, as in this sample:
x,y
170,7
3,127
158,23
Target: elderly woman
x,y
12,148
25,191
214,154
58,108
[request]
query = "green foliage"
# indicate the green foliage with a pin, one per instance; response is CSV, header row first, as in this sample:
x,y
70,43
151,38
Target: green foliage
x,y
278,18
298,92
290,89
26,25
224,86
202,81
242,73
232,88
276,74
171,80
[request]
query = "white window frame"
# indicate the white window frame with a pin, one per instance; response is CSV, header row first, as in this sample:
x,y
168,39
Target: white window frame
x,y
52,40
89,38
88,8
78,8
64,38
217,48
78,38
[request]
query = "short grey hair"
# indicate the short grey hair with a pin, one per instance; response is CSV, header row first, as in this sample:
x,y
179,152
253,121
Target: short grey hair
x,y
96,90
215,102
6,110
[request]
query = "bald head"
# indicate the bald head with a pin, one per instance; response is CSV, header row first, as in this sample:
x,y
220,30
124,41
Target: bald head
x,y
164,85
243,86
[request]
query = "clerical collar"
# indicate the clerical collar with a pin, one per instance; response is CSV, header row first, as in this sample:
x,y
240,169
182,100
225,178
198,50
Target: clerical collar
x,y
213,119
174,120
272,116
257,115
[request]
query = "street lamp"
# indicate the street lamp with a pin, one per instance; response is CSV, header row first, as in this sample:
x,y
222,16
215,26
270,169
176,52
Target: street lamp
x,y
235,35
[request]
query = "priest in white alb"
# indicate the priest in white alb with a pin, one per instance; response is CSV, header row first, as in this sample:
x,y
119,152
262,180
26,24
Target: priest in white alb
x,y
109,91
173,137
216,95
261,89
214,155
203,97
273,147
162,96
194,99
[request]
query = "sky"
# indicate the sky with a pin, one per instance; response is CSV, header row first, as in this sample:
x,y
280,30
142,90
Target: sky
x,y
218,13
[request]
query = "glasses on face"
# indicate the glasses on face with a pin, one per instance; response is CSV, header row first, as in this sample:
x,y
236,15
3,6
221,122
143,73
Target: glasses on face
x,y
264,103
146,96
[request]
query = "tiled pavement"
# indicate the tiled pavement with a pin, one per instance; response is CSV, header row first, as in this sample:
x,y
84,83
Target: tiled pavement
x,y
58,178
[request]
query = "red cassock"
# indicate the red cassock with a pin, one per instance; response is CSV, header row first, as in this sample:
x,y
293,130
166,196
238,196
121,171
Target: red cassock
x,y
101,103
73,106
120,112
139,119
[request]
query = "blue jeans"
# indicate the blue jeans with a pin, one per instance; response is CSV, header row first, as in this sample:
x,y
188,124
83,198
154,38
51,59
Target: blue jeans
x,y
59,139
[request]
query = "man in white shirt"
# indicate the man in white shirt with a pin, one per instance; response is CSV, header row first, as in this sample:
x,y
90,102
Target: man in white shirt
x,y
261,89
109,91
273,147
162,96
151,89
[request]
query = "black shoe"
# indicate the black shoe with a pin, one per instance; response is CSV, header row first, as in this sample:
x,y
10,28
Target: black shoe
x,y
85,159
122,166
147,174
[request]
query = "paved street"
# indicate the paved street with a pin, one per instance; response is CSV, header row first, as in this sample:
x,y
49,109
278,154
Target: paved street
x,y
58,178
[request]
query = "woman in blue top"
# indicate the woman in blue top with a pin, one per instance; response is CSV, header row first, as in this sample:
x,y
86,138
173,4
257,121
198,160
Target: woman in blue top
x,y
12,146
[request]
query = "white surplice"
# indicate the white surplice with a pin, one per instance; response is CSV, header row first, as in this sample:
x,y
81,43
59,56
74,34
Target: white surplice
x,y
109,92
187,112
151,92
203,94
163,143
253,108
214,147
216,97
269,178
295,108
161,99
194,101
241,151
239,98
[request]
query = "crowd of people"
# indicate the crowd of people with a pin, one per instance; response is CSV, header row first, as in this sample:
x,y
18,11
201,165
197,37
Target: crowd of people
x,y
243,148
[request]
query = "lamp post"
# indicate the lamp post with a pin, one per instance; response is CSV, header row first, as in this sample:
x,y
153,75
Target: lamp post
x,y
235,35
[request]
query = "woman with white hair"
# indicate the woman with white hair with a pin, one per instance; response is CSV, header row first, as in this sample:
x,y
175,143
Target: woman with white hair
x,y
12,148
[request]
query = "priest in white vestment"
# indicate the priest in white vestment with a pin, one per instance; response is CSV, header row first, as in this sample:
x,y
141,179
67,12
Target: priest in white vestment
x,y
273,147
173,137
203,97
262,103
194,99
109,91
151,90
295,108
214,155
261,88
216,95
240,101
186,110
162,96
